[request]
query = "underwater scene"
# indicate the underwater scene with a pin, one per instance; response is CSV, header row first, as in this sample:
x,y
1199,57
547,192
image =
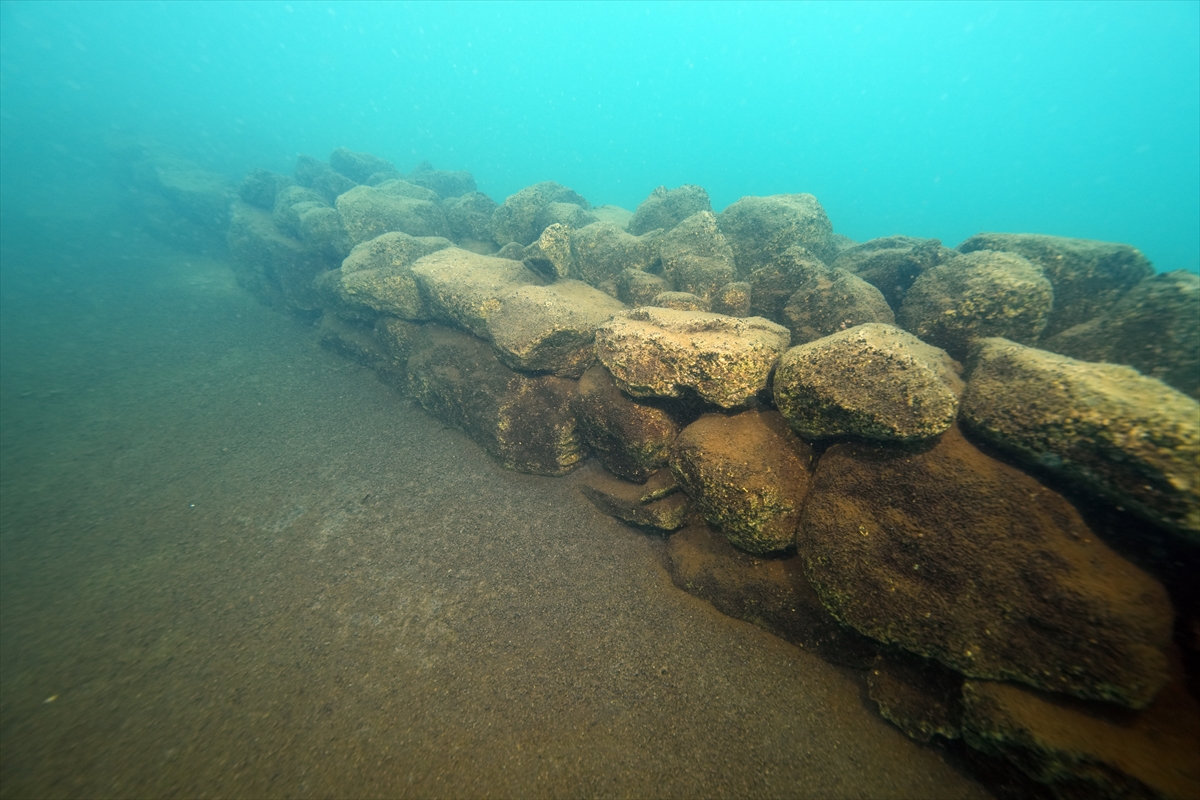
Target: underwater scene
x,y
569,399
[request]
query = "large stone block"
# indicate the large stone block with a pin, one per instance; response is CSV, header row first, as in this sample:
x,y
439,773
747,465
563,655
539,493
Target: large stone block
x,y
464,288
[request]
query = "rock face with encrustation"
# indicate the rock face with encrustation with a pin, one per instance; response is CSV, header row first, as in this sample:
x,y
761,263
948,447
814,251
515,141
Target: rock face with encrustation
x,y
376,278
523,216
696,258
747,474
631,439
551,328
464,288
828,300
1104,427
523,421
872,381
667,208
760,229
955,556
368,211
660,352
973,296
1088,276
892,263
602,251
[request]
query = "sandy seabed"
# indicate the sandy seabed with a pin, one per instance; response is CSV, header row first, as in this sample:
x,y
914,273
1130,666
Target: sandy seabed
x,y
235,565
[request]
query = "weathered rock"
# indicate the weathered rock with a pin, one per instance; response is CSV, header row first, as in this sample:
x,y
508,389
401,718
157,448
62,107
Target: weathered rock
x,y
955,556
1154,328
696,258
512,251
369,211
1084,750
314,174
445,183
321,230
631,439
470,216
550,256
397,337
524,422
772,285
892,263
656,505
977,295
1104,427
667,208
358,167
918,695
732,299
771,593
1088,276
308,169
680,301
566,214
464,288
760,229
290,203
352,340
274,267
827,301
376,278
602,251
659,352
193,192
637,288
260,187
872,381
550,328
515,220
747,474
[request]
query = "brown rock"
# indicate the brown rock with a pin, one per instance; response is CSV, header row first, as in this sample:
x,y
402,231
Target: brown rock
x,y
919,696
657,505
954,556
464,288
631,439
892,263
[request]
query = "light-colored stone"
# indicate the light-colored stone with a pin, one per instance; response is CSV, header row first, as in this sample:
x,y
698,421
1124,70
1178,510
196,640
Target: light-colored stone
x,y
464,288
368,211
662,352
376,278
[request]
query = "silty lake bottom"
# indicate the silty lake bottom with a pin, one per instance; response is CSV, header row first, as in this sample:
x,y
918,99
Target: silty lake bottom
x,y
235,564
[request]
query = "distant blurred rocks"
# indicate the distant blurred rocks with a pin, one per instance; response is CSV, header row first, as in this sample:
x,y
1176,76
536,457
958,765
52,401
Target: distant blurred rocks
x,y
893,263
359,167
667,208
396,205
760,229
447,184
517,218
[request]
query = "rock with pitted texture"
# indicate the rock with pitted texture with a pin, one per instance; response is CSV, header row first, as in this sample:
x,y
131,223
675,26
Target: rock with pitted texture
x,y
760,229
977,295
376,278
1088,276
517,218
696,258
747,474
871,382
368,211
470,216
828,300
1104,427
602,251
660,352
891,264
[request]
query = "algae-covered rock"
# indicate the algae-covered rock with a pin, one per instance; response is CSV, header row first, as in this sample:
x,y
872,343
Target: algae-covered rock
x,y
680,301
771,593
550,256
290,202
260,186
631,439
667,208
322,231
1087,276
1104,427
470,216
369,211
358,167
1154,328
660,352
977,295
524,422
613,215
696,258
656,505
376,278
955,556
602,251
550,328
772,284
827,301
747,474
872,381
918,695
464,288
1082,750
516,219
275,268
732,299
445,183
567,214
760,229
892,263
637,288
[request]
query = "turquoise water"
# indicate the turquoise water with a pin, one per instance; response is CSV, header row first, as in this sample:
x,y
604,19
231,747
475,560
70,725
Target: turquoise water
x,y
924,119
